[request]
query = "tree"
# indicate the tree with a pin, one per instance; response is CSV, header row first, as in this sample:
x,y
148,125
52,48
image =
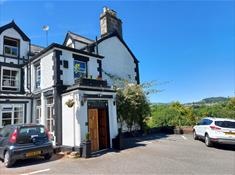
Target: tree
x,y
132,105
132,101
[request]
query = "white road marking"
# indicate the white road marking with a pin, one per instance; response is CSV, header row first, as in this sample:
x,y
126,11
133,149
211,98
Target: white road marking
x,y
35,172
184,137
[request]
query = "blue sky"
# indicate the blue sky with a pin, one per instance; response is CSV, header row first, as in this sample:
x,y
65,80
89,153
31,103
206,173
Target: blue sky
x,y
188,44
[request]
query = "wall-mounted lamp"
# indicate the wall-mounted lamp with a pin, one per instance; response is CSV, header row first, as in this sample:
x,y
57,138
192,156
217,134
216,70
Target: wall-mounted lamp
x,y
114,101
83,99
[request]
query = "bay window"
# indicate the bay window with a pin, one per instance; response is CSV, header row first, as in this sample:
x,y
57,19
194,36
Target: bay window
x,y
10,79
11,114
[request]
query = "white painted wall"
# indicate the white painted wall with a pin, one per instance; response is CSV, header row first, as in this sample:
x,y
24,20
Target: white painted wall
x,y
78,113
68,73
69,42
71,135
118,61
47,72
24,45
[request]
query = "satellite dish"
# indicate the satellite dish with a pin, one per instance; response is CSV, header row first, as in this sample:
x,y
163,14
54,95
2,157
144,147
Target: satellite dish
x,y
45,28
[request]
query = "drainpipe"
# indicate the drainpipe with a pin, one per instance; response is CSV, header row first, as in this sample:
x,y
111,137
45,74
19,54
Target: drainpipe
x,y
96,44
74,131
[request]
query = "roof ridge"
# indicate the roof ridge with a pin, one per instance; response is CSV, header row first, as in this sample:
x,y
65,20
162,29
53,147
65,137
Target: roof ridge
x,y
37,45
81,36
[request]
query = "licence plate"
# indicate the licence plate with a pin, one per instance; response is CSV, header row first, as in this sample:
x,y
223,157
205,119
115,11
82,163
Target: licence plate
x,y
33,153
230,133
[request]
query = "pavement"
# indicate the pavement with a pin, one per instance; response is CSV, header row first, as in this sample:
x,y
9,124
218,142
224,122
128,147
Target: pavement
x,y
155,154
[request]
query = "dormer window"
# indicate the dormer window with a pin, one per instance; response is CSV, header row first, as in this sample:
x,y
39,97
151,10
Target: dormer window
x,y
11,47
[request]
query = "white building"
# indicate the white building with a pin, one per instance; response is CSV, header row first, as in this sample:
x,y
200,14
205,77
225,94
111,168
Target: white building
x,y
65,87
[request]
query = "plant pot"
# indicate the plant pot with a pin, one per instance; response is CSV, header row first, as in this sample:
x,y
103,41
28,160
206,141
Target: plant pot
x,y
86,149
116,143
178,131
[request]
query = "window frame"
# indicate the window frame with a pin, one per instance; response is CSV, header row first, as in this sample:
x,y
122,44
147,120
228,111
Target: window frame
x,y
11,109
38,111
50,119
17,80
38,78
85,71
11,47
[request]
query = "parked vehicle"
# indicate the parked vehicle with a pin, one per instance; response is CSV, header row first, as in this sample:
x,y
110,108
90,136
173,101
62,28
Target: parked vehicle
x,y
217,130
24,141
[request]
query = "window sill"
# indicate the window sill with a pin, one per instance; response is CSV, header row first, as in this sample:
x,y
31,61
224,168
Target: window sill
x,y
10,56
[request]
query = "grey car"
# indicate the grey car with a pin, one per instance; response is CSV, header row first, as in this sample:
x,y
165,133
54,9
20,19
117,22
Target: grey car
x,y
24,141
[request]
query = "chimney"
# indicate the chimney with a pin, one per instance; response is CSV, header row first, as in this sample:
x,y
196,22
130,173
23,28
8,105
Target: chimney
x,y
109,22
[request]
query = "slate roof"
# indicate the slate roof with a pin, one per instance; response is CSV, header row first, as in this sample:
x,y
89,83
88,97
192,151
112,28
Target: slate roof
x,y
59,46
78,38
35,49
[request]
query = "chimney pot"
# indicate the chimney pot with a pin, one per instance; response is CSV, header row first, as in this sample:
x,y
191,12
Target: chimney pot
x,y
109,22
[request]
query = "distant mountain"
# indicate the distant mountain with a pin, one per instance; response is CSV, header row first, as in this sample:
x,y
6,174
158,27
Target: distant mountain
x,y
209,101
205,101
214,99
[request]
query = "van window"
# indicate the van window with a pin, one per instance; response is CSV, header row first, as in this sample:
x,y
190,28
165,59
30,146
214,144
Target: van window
x,y
225,124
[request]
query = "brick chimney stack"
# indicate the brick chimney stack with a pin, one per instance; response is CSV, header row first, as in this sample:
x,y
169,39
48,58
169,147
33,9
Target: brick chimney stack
x,y
109,22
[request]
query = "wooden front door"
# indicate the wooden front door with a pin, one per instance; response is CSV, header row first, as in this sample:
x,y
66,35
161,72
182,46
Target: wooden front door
x,y
93,128
103,129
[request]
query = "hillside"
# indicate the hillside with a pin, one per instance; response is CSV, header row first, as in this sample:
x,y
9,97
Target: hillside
x,y
209,101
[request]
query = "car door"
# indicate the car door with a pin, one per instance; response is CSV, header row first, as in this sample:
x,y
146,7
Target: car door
x,y
4,136
204,126
198,128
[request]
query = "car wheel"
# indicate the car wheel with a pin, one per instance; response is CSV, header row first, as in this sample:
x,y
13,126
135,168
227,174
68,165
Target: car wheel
x,y
195,137
47,156
208,141
7,160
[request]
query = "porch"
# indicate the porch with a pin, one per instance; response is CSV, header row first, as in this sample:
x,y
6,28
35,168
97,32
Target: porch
x,y
92,112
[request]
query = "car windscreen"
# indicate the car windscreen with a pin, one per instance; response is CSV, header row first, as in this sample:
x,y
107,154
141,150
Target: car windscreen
x,y
27,134
225,124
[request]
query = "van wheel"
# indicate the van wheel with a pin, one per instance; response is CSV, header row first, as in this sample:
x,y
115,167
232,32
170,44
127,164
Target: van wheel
x,y
7,160
195,137
47,156
208,141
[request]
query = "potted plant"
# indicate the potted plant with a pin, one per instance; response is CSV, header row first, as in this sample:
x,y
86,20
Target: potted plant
x,y
117,141
98,78
86,146
70,103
